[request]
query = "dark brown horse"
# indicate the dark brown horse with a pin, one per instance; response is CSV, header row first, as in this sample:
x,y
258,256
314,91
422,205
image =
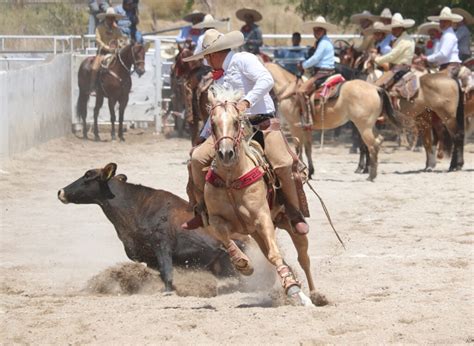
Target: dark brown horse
x,y
113,83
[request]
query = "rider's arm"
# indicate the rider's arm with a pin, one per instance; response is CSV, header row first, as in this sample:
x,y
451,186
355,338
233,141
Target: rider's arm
x,y
394,55
317,56
100,44
254,70
446,46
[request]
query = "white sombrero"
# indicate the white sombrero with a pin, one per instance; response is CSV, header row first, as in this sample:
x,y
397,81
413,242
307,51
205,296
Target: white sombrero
x,y
319,22
386,14
377,27
195,15
399,22
215,41
243,12
358,17
110,13
466,15
209,22
446,14
424,28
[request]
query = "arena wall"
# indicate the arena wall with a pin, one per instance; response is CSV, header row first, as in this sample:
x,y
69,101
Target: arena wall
x,y
35,105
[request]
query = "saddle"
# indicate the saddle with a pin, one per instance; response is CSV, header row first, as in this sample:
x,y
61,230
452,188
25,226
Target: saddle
x,y
106,61
329,88
407,87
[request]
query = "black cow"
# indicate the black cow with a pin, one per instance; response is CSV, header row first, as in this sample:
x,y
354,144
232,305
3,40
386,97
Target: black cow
x,y
148,222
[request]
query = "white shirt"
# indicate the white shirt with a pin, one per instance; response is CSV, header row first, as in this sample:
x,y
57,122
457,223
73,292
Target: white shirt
x,y
447,51
243,71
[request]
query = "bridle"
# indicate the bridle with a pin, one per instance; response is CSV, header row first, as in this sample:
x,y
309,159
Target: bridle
x,y
237,139
134,60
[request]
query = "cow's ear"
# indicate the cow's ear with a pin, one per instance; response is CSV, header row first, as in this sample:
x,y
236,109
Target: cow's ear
x,y
121,177
147,46
108,171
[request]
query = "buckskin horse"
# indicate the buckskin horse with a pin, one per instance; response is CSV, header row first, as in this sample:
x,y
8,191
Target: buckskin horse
x,y
236,193
358,101
114,83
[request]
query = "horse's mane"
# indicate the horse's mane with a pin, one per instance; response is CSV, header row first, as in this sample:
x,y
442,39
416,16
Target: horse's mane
x,y
223,94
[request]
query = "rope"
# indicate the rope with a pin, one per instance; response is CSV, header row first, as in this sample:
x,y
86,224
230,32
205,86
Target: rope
x,y
327,214
323,102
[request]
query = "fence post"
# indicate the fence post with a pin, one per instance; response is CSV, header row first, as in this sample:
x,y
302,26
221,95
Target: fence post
x,y
158,85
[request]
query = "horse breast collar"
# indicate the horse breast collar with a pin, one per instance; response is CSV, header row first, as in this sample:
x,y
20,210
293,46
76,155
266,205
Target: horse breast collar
x,y
249,178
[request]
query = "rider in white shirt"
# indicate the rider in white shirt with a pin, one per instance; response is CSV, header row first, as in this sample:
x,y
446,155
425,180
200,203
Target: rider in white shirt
x,y
244,71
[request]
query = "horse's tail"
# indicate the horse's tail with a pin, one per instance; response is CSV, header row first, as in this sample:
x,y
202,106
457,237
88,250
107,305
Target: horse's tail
x,y
81,106
460,110
388,108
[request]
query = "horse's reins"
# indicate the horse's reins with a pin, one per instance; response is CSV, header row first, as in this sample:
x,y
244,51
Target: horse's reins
x,y
134,61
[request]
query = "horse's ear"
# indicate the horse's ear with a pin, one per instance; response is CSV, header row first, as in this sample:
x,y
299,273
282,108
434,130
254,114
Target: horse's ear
x,y
147,46
108,171
211,97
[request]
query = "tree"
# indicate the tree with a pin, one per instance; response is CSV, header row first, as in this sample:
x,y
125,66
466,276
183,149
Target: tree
x,y
341,10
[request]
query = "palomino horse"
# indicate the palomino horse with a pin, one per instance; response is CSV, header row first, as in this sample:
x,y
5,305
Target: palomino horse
x,y
359,101
236,198
114,83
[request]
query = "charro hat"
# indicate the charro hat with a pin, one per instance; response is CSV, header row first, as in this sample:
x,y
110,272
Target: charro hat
x,y
243,12
195,15
446,14
215,41
356,18
209,22
319,22
466,15
377,27
424,28
399,22
386,14
110,13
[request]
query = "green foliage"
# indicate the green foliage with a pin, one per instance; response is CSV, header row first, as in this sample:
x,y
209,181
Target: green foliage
x,y
48,19
341,10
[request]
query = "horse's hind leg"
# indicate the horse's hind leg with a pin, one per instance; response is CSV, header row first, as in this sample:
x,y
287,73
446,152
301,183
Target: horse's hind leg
x,y
123,104
112,103
373,145
99,101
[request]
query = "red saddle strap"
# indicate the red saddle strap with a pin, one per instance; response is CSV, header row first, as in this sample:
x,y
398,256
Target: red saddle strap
x,y
242,182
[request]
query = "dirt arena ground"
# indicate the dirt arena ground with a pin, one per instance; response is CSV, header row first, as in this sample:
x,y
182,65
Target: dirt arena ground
x,y
406,276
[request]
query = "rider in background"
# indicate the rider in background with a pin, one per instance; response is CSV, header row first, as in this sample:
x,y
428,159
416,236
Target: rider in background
x,y
128,25
322,61
252,33
402,52
463,34
381,37
207,23
365,21
243,71
434,32
296,53
107,36
96,7
447,54
188,35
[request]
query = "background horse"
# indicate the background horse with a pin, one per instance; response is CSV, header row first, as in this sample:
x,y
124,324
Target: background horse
x,y
358,101
240,205
114,83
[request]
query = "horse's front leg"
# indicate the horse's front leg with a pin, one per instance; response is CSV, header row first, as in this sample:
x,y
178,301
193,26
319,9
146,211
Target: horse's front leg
x,y
112,103
99,101
123,104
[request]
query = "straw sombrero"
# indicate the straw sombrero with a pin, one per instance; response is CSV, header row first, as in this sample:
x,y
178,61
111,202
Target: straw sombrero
x,y
194,16
319,22
377,27
110,13
466,15
399,22
386,14
215,41
446,14
358,17
240,14
209,22
424,28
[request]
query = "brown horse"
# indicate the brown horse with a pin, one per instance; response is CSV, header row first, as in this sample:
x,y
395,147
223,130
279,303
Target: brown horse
x,y
241,206
114,83
189,90
359,102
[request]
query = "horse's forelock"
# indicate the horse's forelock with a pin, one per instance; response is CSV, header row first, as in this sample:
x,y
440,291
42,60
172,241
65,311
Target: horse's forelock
x,y
223,94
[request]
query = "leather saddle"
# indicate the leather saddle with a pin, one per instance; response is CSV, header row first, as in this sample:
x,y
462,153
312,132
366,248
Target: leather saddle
x,y
106,61
406,87
329,87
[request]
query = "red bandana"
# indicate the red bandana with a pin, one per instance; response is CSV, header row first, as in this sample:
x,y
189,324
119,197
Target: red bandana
x,y
217,74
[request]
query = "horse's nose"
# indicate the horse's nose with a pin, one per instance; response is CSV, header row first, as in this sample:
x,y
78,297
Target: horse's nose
x,y
140,72
230,154
62,196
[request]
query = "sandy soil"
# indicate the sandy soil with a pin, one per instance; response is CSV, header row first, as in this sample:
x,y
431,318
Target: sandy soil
x,y
406,277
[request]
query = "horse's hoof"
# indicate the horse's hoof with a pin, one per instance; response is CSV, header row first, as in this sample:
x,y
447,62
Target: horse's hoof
x,y
318,299
358,170
295,293
122,139
365,171
429,169
371,179
97,138
168,293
